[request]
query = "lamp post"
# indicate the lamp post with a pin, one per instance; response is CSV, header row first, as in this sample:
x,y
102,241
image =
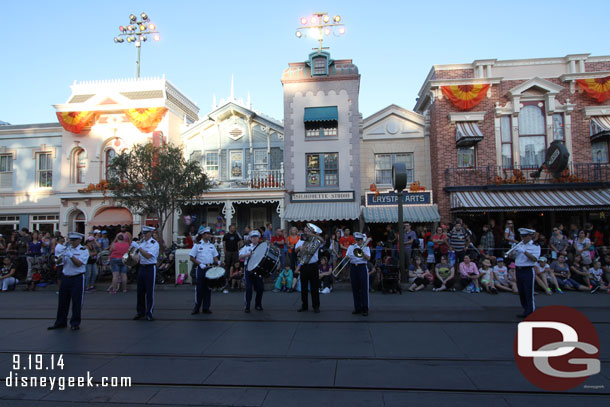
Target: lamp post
x,y
319,25
137,32
399,183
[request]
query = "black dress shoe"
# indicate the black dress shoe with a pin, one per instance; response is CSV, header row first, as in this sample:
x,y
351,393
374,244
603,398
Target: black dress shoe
x,y
57,327
316,310
206,311
302,309
258,308
149,318
247,310
365,313
356,312
138,316
194,312
75,327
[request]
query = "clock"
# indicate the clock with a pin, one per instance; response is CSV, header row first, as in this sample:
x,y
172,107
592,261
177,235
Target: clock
x,y
399,176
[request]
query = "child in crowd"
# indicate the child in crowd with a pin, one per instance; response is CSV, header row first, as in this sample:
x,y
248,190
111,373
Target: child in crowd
x,y
236,274
378,253
541,269
326,276
431,259
595,277
284,280
502,280
487,278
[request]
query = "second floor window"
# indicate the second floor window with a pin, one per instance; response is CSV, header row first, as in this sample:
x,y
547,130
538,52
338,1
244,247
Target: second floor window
x,y
260,160
6,171
532,134
110,154
318,130
507,142
466,157
600,152
211,164
322,170
383,167
44,170
80,161
558,132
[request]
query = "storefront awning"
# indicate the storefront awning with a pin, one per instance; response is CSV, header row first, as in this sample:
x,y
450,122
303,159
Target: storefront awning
x,y
600,127
530,201
112,216
321,114
317,211
389,214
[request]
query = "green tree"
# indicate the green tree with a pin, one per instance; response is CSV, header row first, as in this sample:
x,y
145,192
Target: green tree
x,y
153,180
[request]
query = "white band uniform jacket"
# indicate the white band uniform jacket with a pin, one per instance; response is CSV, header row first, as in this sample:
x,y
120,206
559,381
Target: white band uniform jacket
x,y
82,254
314,258
204,253
247,249
357,260
521,259
59,253
152,247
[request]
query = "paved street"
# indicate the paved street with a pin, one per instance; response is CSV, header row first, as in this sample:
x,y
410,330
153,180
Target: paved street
x,y
419,349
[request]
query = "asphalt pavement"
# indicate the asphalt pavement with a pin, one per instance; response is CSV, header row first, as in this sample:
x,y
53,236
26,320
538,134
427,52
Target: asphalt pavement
x,y
414,349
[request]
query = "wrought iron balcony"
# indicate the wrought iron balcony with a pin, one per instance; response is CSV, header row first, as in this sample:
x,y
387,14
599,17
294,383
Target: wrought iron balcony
x,y
256,180
583,175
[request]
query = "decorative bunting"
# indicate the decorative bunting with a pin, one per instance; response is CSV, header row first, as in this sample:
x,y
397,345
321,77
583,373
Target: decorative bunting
x,y
465,97
75,121
597,88
147,119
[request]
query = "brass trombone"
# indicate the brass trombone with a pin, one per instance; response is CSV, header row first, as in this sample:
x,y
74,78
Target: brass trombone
x,y
345,261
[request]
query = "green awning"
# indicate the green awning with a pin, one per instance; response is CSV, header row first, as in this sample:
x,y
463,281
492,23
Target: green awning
x,y
321,114
411,213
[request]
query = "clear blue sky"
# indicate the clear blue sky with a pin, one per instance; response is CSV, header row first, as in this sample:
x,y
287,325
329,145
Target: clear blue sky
x,y
46,45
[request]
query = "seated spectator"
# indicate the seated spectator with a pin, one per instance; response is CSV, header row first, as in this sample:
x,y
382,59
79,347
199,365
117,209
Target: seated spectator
x,y
444,275
582,248
7,273
542,275
595,277
564,277
580,271
326,276
502,278
605,260
487,278
419,275
469,275
284,280
236,275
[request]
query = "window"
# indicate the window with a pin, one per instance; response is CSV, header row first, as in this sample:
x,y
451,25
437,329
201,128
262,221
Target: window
x,y
211,164
260,160
110,154
600,152
532,135
383,167
44,170
558,132
45,223
466,157
319,65
324,129
79,164
237,164
6,171
322,170
507,142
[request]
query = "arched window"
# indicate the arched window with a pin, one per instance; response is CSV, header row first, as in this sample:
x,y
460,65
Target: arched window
x,y
79,165
532,134
109,156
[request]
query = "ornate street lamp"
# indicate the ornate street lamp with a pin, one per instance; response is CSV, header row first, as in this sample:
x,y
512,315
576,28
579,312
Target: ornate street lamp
x,y
137,32
320,25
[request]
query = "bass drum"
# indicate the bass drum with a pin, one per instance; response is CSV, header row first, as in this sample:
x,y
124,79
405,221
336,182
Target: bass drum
x,y
215,277
264,259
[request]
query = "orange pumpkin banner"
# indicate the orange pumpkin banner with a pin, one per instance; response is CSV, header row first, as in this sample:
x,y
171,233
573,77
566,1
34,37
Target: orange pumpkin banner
x,y
465,97
146,119
597,88
75,121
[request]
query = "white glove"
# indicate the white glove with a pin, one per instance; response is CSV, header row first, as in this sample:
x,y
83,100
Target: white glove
x,y
520,249
135,245
68,254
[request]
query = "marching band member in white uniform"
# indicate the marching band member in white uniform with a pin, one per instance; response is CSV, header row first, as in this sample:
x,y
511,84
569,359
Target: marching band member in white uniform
x,y
359,275
147,271
203,255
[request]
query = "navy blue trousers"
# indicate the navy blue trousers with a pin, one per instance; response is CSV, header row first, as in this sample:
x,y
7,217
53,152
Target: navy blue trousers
x,y
525,285
310,280
146,289
255,282
359,277
71,289
203,295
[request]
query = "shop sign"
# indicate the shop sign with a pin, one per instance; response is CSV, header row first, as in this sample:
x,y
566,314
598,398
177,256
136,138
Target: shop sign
x,y
391,198
338,196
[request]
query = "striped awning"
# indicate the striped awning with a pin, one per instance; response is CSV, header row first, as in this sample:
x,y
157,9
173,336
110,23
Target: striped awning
x,y
411,213
530,201
321,114
313,211
600,127
467,134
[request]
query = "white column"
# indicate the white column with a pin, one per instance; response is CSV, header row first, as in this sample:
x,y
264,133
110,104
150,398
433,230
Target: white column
x,y
228,211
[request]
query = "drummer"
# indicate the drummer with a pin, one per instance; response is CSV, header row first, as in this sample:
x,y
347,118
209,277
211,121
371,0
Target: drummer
x,y
203,255
252,280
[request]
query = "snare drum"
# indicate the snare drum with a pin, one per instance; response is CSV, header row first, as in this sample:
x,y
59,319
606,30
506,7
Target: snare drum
x,y
214,277
265,257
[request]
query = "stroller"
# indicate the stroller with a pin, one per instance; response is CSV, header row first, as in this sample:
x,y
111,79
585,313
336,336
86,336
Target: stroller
x,y
390,278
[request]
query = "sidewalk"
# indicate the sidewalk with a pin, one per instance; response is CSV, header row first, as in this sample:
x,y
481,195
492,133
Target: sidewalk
x,y
413,349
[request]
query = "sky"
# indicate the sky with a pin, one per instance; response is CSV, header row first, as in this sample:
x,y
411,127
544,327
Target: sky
x,y
46,46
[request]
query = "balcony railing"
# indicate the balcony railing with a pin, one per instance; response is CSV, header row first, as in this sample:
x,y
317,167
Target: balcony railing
x,y
498,176
266,179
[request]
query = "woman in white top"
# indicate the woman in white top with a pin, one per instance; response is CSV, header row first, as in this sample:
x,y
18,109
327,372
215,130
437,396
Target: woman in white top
x,y
582,245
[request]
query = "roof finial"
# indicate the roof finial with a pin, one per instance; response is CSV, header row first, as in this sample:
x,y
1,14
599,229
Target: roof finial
x,y
232,93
